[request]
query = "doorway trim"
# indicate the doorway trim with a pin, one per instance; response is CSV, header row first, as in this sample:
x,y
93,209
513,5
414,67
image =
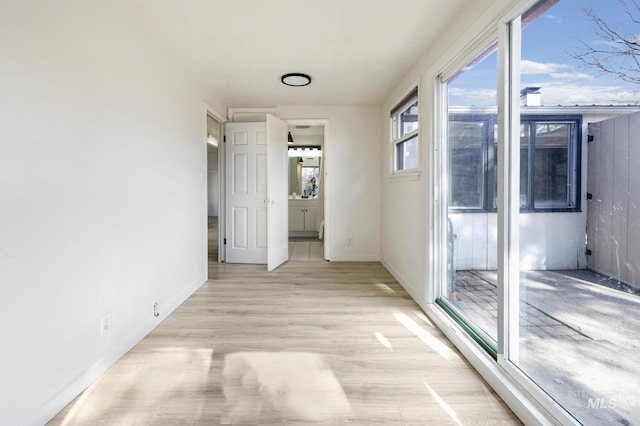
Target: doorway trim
x,y
325,173
221,119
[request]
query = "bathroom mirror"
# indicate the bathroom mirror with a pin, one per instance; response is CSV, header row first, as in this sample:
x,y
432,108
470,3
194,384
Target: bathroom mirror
x,y
304,177
305,160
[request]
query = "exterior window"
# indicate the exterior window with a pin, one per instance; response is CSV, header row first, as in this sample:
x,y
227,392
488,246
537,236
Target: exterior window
x,y
467,146
549,166
554,163
404,133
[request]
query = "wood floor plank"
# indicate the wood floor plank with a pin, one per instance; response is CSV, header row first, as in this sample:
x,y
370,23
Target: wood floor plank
x,y
310,343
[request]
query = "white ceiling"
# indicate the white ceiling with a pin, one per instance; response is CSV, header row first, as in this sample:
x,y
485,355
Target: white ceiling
x,y
354,50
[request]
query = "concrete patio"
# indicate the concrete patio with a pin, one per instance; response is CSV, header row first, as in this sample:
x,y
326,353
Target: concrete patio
x,y
579,337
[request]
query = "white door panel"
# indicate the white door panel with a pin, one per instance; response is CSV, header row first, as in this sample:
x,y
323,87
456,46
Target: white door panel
x,y
246,229
257,201
240,170
239,219
261,236
261,174
277,182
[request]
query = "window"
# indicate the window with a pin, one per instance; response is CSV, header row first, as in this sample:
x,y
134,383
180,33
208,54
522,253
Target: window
x,y
404,133
310,181
468,153
549,166
553,145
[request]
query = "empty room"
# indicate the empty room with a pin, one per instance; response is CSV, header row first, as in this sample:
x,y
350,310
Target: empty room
x,y
319,212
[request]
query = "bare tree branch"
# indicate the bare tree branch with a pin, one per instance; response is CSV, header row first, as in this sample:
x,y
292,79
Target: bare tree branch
x,y
613,52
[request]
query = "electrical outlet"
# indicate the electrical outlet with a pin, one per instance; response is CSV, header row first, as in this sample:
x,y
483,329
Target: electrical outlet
x,y
156,312
349,241
105,324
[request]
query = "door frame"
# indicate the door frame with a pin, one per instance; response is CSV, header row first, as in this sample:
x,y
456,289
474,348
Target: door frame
x,y
326,149
221,119
325,173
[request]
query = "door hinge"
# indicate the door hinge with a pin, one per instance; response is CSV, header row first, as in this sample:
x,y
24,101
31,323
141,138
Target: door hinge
x,y
590,138
224,139
588,252
225,242
589,196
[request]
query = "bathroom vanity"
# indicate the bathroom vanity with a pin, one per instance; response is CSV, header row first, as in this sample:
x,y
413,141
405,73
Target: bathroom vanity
x,y
303,217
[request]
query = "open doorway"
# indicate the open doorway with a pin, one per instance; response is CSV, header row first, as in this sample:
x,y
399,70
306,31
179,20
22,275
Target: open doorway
x,y
213,188
306,192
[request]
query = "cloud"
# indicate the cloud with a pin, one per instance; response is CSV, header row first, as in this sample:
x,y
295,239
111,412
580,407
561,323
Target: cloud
x,y
572,75
531,67
567,93
558,71
553,18
473,97
553,93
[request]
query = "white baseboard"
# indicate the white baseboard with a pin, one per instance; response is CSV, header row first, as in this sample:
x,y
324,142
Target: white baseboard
x,y
354,258
68,393
419,299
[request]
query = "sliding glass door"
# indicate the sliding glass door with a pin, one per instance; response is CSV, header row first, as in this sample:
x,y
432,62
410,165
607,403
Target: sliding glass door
x,y
578,334
471,294
543,209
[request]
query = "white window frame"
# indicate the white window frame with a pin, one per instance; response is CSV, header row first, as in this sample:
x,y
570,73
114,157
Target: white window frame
x,y
410,97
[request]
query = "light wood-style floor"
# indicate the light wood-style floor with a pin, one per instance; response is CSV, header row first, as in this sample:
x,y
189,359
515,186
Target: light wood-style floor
x,y
310,343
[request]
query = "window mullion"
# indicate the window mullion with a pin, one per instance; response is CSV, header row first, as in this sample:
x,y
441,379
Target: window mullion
x,y
508,190
486,168
406,137
531,167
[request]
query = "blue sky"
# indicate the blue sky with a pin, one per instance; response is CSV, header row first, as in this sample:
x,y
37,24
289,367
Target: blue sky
x,y
546,60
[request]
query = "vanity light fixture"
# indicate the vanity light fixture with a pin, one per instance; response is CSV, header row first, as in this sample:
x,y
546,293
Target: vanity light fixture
x,y
295,79
304,151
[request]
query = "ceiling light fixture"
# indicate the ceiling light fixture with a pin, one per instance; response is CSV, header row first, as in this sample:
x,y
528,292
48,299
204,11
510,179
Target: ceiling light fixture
x,y
290,138
295,79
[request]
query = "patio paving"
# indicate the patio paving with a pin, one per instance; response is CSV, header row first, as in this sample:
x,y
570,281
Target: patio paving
x,y
579,337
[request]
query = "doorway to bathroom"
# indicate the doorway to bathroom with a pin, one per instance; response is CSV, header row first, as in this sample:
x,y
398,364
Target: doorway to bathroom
x,y
306,162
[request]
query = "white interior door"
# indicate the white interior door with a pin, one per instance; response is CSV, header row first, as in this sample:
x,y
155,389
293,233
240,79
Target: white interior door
x,y
246,193
277,188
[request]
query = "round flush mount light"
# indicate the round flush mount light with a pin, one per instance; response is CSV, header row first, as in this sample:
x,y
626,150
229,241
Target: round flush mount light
x,y
295,79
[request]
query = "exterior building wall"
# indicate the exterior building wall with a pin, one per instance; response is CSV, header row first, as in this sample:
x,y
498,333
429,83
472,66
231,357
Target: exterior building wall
x,y
613,180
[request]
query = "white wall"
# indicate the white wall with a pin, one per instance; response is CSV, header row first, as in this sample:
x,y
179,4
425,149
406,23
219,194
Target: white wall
x,y
548,241
102,192
352,181
410,206
614,222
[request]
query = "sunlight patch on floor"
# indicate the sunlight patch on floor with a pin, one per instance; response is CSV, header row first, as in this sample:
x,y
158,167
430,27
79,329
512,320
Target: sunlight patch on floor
x,y
426,337
150,381
447,409
281,386
383,340
424,318
384,287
